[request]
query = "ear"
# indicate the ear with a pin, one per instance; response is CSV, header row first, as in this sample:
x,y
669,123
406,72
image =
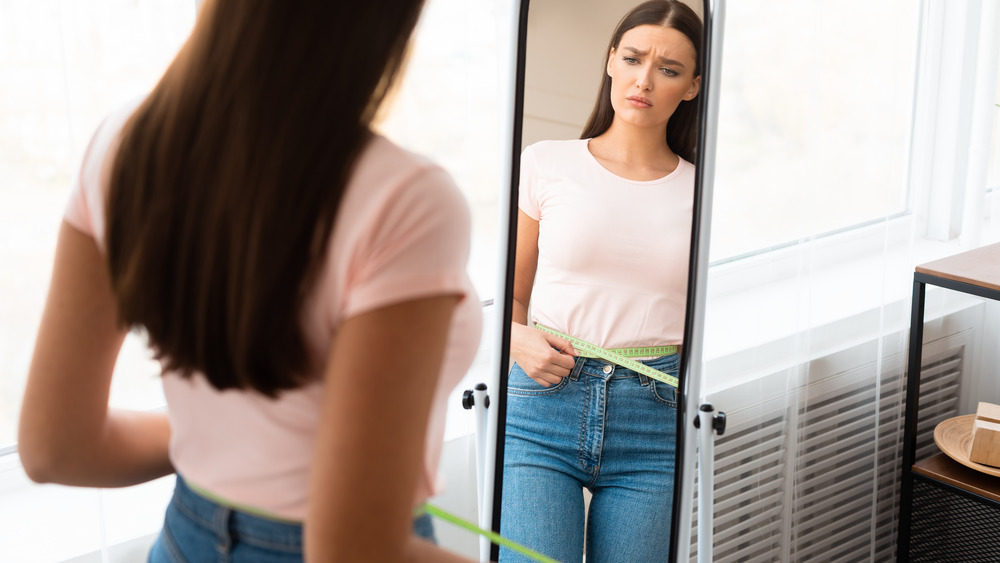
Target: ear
x,y
611,57
695,88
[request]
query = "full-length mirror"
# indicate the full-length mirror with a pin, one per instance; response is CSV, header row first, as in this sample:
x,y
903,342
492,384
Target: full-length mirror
x,y
605,193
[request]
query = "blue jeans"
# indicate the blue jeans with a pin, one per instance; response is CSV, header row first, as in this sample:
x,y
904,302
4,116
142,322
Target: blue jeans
x,y
197,529
606,428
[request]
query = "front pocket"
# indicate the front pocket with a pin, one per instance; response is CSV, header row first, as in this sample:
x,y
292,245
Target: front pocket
x,y
518,383
663,393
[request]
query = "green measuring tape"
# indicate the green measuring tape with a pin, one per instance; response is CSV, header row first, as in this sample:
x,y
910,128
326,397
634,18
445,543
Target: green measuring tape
x,y
621,356
425,508
492,536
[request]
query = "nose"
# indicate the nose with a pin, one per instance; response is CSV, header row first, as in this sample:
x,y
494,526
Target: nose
x,y
644,80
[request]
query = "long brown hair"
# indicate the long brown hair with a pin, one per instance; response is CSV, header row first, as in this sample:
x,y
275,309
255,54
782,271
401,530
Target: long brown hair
x,y
229,175
682,129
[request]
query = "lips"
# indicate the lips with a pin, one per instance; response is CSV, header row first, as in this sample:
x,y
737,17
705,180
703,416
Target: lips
x,y
639,101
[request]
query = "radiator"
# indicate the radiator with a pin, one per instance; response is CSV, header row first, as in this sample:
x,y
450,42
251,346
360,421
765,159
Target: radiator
x,y
808,469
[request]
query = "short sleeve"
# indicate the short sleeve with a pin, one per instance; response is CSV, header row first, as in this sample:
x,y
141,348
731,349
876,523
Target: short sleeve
x,y
85,208
417,246
85,195
527,190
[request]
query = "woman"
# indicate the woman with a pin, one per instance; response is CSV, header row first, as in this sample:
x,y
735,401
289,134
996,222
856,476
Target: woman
x,y
602,253
301,279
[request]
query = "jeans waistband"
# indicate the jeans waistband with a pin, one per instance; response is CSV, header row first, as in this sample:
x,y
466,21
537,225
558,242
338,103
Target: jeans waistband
x,y
229,522
597,367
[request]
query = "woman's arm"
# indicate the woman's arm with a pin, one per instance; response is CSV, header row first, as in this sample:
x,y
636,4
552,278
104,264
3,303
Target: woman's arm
x,y
546,358
67,434
381,377
525,265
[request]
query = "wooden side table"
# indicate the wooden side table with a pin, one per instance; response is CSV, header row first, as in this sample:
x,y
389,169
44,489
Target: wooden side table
x,y
947,512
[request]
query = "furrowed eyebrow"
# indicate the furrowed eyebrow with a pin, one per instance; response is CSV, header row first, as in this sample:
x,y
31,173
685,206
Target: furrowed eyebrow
x,y
663,60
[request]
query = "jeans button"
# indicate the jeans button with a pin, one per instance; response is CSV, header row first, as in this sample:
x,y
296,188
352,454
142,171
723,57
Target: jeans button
x,y
607,368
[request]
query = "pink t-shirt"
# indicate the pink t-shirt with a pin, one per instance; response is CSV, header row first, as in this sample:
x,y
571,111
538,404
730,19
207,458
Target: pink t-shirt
x,y
612,253
402,233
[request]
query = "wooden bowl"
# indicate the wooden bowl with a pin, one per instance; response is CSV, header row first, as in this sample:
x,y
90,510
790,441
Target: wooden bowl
x,y
954,437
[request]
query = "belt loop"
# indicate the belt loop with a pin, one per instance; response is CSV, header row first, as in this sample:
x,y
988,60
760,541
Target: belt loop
x,y
643,380
577,368
223,537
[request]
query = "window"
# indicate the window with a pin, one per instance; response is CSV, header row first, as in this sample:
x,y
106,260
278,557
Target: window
x,y
861,156
449,107
815,111
993,177
63,67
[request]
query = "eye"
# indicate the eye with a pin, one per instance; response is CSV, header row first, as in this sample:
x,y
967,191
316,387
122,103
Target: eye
x,y
669,72
631,60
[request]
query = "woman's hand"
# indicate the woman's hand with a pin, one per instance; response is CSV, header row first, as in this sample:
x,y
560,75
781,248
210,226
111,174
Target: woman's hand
x,y
545,357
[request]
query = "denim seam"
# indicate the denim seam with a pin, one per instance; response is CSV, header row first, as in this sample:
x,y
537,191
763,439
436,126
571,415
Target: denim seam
x,y
171,546
583,428
574,374
258,542
288,547
220,526
600,447
536,392
661,400
190,513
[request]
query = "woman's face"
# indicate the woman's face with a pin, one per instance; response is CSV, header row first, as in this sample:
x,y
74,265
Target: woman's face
x,y
651,71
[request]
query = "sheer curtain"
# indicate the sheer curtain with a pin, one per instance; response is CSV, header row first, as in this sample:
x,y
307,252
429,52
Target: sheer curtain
x,y
851,148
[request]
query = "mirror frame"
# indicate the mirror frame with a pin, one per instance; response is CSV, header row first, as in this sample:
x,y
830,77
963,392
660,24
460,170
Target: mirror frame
x,y
697,271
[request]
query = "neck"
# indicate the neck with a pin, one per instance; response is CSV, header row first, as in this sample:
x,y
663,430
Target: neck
x,y
638,146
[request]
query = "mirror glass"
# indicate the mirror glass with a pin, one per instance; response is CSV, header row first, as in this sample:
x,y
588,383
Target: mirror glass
x,y
605,190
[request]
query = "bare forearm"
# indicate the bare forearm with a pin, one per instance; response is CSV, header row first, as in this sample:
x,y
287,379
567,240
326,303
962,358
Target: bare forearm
x,y
129,448
519,312
137,444
67,434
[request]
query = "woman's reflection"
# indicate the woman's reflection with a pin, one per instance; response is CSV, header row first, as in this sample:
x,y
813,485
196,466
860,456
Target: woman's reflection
x,y
603,240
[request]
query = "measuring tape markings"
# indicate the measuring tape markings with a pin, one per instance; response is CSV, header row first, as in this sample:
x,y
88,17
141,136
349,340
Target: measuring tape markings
x,y
614,355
